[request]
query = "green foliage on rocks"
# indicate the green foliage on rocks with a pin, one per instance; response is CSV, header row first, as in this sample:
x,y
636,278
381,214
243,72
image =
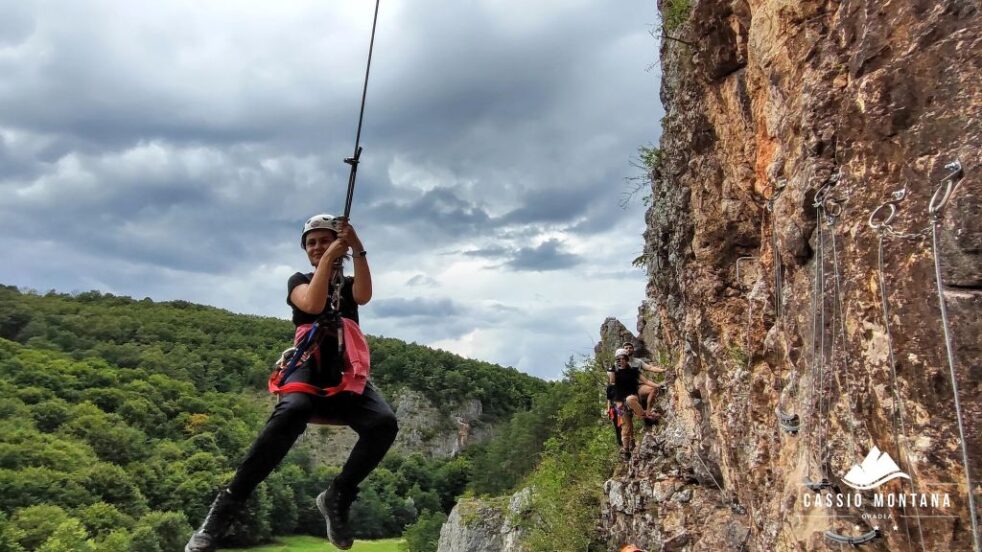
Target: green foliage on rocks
x,y
675,13
424,535
579,456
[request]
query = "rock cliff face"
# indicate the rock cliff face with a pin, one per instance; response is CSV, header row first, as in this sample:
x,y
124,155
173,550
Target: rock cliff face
x,y
485,525
422,428
788,123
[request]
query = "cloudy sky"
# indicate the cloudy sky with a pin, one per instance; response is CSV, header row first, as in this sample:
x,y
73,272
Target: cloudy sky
x,y
173,149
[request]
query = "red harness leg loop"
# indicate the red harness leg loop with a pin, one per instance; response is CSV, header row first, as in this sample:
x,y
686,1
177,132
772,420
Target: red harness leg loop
x,y
354,376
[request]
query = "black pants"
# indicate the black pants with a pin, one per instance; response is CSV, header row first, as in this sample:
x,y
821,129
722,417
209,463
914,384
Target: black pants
x,y
368,414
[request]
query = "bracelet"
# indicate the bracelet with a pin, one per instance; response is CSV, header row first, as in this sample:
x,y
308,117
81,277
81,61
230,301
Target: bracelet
x,y
362,253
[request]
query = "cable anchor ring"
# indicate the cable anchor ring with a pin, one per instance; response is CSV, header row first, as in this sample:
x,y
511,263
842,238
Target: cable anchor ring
x,y
879,224
833,208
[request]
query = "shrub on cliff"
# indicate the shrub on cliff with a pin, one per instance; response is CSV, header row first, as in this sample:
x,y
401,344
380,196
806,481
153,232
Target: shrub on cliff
x,y
424,535
568,483
675,13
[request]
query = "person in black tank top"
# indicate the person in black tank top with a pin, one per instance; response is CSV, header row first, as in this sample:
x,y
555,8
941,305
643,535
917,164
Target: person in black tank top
x,y
325,239
627,380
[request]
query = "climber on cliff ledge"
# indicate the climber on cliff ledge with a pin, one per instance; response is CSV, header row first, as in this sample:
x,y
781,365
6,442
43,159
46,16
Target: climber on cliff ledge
x,y
626,381
647,393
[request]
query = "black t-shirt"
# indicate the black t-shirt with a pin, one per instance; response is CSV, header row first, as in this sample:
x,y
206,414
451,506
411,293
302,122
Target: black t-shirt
x,y
349,309
328,373
626,381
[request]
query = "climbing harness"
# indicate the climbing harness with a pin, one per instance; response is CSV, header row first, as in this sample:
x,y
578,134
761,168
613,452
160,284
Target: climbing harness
x,y
937,204
355,359
880,220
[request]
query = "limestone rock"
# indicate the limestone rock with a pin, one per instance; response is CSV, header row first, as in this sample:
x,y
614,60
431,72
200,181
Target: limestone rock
x,y
486,525
422,428
770,102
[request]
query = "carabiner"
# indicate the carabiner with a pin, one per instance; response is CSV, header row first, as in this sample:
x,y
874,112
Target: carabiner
x,y
947,185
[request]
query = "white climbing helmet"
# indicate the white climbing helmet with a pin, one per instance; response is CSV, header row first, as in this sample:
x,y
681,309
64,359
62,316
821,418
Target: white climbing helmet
x,y
322,221
620,353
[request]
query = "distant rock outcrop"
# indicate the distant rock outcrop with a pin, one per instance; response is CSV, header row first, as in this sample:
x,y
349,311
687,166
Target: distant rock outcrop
x,y
613,334
486,525
422,428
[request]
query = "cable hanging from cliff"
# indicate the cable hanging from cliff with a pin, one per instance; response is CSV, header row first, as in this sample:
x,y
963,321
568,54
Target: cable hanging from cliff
x,y
839,344
938,201
879,221
818,348
789,422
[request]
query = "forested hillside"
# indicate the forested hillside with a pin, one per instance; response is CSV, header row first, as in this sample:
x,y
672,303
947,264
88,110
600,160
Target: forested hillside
x,y
216,350
119,418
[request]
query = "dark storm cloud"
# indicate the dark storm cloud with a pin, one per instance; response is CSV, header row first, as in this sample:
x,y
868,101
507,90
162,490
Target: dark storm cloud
x,y
183,209
169,145
440,211
485,108
543,258
562,205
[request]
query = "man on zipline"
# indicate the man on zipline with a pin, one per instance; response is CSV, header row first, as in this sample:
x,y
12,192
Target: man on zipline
x,y
328,385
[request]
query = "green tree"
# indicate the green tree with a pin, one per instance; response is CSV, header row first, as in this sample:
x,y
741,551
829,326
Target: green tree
x,y
424,535
451,480
283,501
116,541
568,482
110,437
36,524
10,536
144,539
101,519
425,500
111,484
166,530
70,536
50,414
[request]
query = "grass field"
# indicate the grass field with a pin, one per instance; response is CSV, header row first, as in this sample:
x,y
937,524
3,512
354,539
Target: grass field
x,y
306,543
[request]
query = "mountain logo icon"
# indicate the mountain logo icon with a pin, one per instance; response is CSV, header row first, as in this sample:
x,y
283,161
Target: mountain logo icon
x,y
877,468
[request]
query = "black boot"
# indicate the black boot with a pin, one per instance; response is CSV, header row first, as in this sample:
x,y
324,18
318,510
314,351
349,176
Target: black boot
x,y
335,504
215,524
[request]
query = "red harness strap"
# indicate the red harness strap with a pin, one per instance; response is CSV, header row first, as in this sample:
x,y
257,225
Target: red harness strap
x,y
354,376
